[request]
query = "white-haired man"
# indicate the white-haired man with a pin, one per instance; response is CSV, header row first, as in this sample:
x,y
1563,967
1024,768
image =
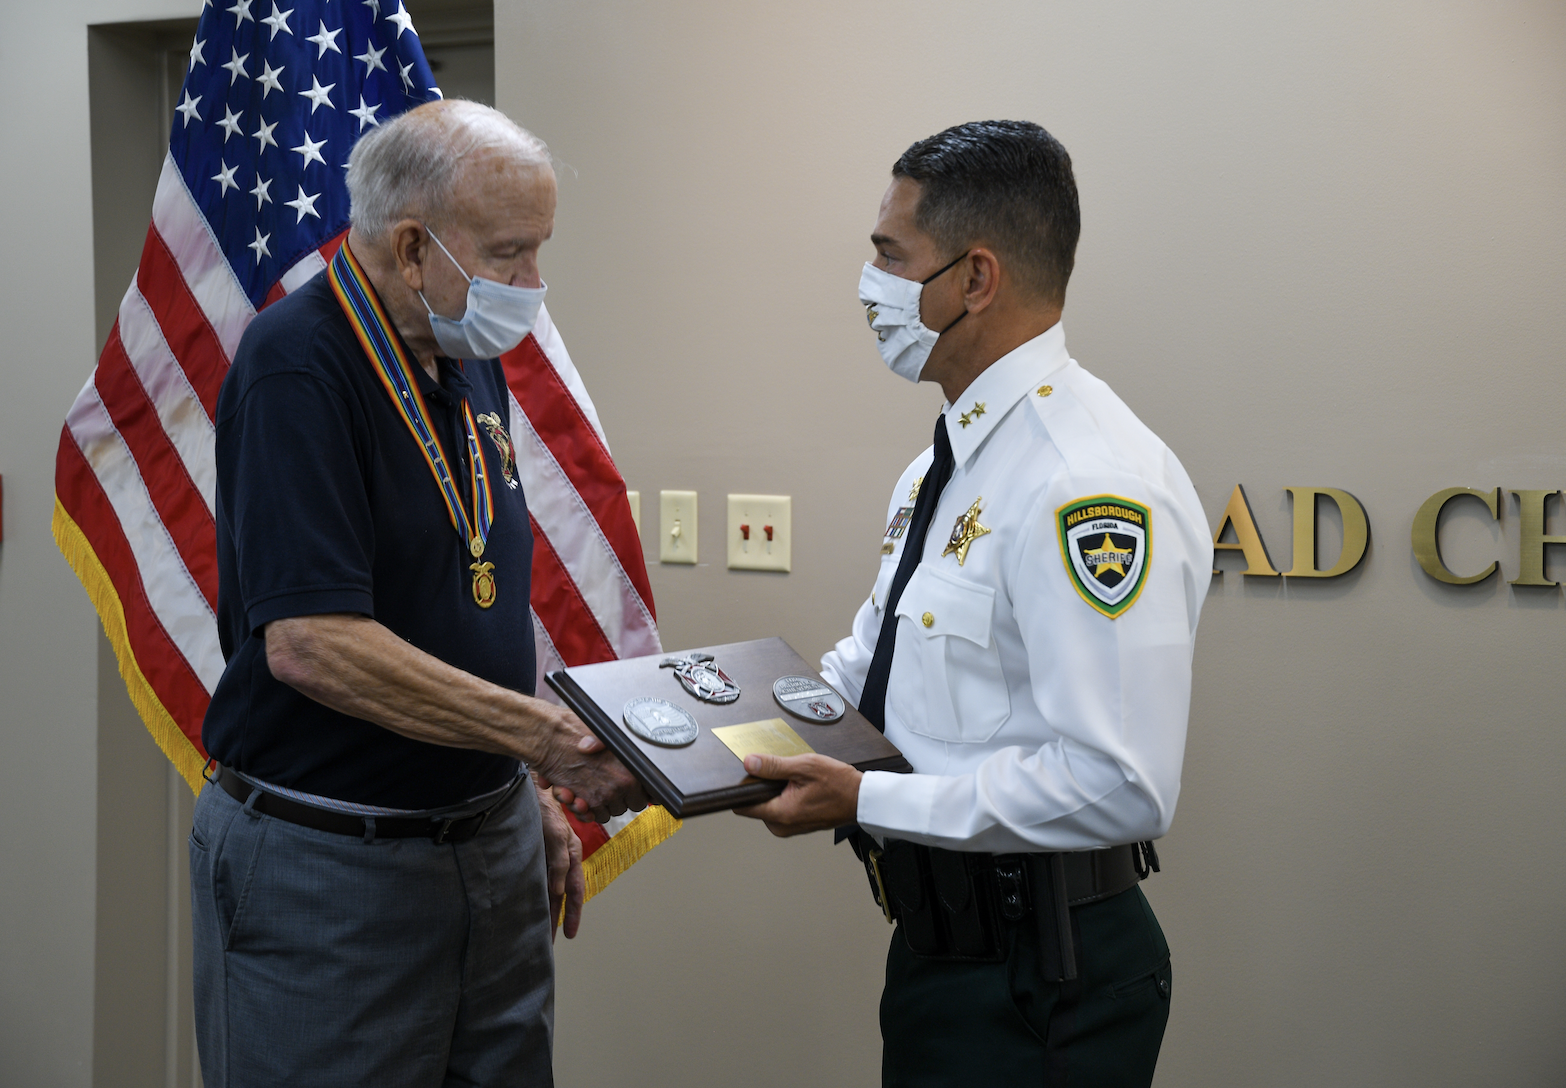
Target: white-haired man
x,y
368,864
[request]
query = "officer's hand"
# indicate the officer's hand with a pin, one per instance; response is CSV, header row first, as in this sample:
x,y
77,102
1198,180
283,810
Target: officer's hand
x,y
584,775
563,854
821,793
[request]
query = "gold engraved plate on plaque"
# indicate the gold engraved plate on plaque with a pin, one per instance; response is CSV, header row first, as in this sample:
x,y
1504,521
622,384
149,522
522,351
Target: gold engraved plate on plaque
x,y
771,737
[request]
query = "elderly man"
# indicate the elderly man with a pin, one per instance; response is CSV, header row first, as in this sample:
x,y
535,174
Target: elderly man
x,y
368,864
1033,662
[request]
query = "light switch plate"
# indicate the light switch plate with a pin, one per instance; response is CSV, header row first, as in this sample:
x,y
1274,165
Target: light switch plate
x,y
753,519
677,527
635,499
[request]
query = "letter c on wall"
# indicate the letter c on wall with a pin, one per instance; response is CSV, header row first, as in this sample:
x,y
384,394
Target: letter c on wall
x,y
1427,546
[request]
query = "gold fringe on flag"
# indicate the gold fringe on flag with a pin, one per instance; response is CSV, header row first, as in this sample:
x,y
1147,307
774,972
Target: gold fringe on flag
x,y
100,588
635,839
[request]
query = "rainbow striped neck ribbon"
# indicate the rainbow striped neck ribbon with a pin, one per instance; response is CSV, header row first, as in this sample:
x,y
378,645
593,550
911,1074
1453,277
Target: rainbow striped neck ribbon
x,y
384,348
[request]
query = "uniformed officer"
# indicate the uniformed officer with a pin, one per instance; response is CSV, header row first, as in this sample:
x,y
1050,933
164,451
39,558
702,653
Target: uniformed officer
x,y
1027,645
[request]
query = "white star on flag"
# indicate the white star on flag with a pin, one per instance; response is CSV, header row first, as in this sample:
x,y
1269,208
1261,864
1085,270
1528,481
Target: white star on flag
x,y
403,70
263,135
374,6
317,95
371,58
236,66
196,56
365,114
188,109
278,21
311,151
324,39
241,11
401,19
229,124
225,177
268,78
262,192
304,204
259,245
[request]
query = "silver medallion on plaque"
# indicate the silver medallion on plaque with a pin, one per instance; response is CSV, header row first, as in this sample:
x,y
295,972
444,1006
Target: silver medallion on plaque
x,y
808,698
661,722
699,674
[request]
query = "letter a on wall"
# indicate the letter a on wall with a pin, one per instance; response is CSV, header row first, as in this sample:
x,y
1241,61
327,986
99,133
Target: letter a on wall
x,y
1248,540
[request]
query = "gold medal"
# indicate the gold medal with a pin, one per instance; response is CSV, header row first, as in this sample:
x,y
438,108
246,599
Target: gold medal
x,y
483,584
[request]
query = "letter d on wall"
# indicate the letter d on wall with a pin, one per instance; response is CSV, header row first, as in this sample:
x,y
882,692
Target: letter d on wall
x,y
1356,532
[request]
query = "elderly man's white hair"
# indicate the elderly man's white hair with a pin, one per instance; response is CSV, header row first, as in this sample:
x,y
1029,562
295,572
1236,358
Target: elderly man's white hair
x,y
406,168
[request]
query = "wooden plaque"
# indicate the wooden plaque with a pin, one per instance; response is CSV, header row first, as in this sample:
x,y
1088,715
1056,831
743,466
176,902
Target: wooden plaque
x,y
706,776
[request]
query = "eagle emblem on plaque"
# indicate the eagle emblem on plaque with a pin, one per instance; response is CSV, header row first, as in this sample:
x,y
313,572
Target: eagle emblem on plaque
x,y
700,676
508,456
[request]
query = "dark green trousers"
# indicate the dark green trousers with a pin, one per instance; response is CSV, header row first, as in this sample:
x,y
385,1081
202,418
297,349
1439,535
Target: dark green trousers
x,y
947,1024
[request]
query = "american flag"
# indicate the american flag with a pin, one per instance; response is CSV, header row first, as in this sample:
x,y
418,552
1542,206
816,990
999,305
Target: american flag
x,y
251,203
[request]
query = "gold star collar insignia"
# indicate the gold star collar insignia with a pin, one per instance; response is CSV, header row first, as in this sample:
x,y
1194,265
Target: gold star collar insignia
x,y
964,533
971,414
913,492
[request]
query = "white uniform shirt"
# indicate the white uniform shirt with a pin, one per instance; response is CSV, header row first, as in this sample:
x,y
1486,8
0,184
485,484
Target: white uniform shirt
x,y
1035,720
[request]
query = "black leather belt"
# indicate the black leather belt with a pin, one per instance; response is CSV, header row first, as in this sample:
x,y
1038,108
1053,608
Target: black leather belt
x,y
436,829
954,906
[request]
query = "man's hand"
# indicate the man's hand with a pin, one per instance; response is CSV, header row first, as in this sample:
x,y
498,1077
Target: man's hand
x,y
584,775
563,853
821,793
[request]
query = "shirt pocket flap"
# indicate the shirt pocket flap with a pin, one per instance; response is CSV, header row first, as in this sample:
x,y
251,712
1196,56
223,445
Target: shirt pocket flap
x,y
942,604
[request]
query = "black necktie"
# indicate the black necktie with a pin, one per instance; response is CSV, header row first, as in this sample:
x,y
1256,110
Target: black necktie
x,y
872,704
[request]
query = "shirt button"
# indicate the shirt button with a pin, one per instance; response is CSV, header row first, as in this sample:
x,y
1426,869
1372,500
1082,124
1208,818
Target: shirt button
x,y
928,619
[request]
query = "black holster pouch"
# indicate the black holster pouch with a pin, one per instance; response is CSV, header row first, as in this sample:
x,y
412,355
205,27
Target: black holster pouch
x,y
940,898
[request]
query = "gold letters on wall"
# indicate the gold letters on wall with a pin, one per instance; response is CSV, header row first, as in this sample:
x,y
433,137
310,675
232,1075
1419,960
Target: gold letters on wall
x,y
1530,556
1427,548
1532,538
1356,532
1247,539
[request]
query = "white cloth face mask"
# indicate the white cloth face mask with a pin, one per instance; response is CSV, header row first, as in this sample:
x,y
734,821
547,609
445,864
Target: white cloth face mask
x,y
892,309
498,318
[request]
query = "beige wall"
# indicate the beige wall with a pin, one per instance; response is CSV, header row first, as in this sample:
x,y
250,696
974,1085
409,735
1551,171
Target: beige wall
x,y
1322,245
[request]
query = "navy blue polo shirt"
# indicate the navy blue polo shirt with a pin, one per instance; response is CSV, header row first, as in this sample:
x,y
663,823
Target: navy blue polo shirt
x,y
326,504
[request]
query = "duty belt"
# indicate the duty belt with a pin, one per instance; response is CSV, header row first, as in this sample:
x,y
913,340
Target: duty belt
x,y
952,905
435,828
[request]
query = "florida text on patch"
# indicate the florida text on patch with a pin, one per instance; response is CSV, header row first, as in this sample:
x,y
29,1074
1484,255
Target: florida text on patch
x,y
1106,542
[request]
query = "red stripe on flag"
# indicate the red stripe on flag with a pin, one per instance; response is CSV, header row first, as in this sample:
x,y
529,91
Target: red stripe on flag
x,y
185,326
561,608
178,501
569,434
177,686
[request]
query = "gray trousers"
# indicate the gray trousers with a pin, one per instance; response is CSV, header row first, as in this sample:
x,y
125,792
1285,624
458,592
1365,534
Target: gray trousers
x,y
322,959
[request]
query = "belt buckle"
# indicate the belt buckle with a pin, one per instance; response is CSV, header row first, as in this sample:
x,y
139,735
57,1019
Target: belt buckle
x,y
874,857
439,836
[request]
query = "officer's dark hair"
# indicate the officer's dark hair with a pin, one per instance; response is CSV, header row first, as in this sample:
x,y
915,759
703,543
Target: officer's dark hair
x,y
1004,184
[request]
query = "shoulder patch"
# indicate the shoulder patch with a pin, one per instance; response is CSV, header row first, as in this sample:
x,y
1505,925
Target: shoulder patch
x,y
1106,542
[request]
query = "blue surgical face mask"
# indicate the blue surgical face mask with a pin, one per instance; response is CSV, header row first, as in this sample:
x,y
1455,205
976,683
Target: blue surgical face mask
x,y
498,318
